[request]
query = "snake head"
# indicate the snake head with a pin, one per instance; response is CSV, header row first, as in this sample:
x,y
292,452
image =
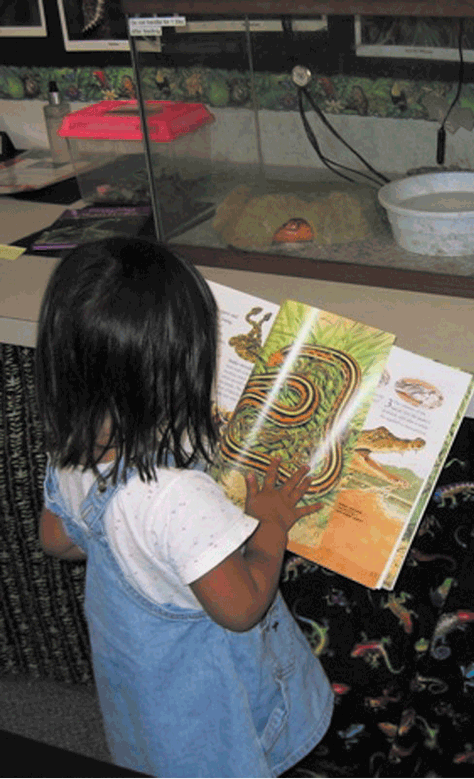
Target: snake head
x,y
277,358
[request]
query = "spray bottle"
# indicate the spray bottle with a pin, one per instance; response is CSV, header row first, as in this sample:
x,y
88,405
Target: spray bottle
x,y
54,114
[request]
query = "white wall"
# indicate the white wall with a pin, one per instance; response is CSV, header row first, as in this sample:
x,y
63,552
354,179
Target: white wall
x,y
390,145
23,120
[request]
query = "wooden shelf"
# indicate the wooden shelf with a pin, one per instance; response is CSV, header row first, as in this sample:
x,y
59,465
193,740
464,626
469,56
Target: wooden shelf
x,y
448,8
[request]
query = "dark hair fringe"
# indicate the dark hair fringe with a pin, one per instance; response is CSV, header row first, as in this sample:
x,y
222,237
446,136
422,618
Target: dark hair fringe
x,y
127,334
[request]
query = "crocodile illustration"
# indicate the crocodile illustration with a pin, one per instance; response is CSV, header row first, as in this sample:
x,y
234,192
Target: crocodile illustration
x,y
381,440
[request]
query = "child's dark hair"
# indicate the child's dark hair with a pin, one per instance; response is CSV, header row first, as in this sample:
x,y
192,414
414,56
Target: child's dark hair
x,y
127,334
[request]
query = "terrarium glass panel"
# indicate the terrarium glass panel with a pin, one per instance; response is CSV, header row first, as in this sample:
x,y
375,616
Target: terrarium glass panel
x,y
272,155
239,167
183,103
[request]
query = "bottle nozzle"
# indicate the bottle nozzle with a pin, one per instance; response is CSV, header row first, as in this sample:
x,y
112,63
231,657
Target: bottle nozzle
x,y
53,93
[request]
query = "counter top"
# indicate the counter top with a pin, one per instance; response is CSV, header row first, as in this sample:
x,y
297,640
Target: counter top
x,y
22,281
438,326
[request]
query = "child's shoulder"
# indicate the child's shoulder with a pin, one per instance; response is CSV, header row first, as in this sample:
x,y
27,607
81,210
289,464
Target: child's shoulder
x,y
191,479
188,483
169,478
191,487
175,493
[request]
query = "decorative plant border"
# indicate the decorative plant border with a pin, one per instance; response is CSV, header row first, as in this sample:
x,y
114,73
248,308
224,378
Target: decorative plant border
x,y
344,95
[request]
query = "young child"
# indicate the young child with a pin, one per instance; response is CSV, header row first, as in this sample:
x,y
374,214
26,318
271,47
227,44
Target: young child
x,y
201,670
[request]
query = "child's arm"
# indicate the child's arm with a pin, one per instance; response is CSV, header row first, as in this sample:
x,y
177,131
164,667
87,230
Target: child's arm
x,y
238,592
53,539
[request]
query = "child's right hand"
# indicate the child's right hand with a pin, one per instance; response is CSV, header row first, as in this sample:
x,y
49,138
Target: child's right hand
x,y
279,504
238,592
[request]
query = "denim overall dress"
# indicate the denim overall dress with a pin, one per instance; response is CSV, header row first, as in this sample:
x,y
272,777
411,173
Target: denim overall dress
x,y
180,695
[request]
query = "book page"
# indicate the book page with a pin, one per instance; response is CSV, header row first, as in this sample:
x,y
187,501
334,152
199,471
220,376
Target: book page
x,y
244,323
305,401
416,411
92,223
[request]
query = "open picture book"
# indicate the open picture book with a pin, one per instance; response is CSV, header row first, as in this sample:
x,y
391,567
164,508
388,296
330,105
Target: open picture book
x,y
374,422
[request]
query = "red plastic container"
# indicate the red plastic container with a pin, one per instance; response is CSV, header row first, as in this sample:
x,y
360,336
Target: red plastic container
x,y
120,120
105,142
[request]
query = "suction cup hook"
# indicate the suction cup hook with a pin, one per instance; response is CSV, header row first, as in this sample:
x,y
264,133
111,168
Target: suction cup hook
x,y
7,149
301,76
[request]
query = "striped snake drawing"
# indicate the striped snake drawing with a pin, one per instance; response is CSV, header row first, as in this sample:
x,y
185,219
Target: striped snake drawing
x,y
286,416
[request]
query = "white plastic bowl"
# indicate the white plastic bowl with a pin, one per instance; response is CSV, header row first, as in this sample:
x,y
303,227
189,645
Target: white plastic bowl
x,y
432,213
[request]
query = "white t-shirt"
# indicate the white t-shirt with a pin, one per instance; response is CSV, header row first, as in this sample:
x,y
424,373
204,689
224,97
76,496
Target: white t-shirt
x,y
168,533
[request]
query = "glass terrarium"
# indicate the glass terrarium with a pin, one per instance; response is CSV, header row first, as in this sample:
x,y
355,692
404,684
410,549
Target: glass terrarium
x,y
260,184
290,160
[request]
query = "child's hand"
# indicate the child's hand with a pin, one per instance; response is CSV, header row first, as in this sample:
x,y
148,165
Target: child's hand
x,y
238,591
278,504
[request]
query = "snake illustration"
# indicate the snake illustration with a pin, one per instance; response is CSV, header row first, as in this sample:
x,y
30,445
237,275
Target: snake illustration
x,y
247,345
297,414
94,15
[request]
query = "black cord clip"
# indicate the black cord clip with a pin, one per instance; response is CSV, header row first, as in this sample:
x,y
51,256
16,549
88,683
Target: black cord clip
x,y
441,146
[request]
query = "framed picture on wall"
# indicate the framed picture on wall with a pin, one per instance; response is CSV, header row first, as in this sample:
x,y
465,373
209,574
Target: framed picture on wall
x,y
93,25
413,37
22,18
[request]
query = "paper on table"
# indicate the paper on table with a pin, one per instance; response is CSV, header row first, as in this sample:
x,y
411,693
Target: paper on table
x,y
10,252
34,169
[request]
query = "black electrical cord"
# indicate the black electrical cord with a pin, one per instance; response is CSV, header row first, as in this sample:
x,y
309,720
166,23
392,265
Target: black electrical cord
x,y
327,162
314,142
441,144
287,27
